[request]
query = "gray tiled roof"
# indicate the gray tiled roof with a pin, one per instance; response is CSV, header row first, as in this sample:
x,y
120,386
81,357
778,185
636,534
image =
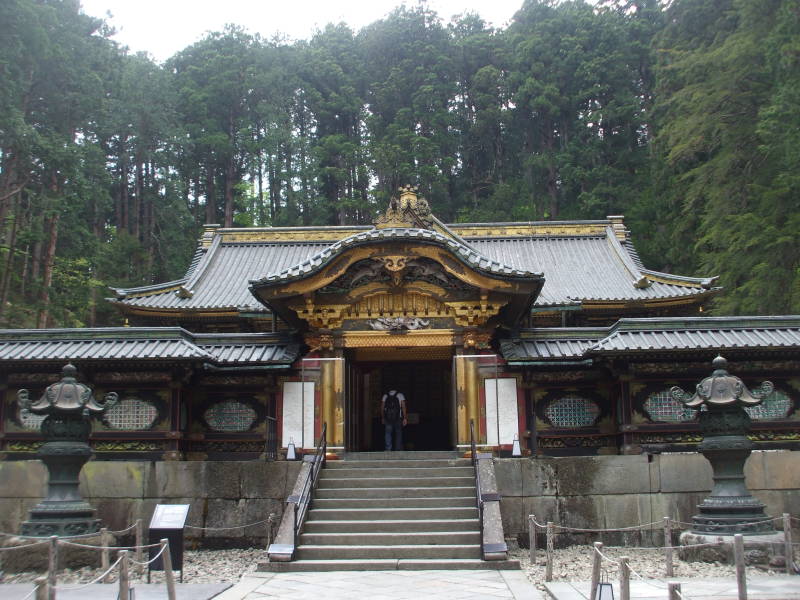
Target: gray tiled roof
x,y
246,348
225,275
577,269
586,268
637,336
557,343
700,333
143,343
465,253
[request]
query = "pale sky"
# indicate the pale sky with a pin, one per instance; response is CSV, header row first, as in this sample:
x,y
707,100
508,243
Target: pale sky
x,y
162,27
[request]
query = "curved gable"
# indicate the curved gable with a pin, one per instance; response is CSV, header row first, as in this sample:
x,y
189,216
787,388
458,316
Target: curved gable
x,y
398,272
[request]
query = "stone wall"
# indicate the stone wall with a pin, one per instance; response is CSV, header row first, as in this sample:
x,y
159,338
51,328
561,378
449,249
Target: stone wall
x,y
590,491
221,494
603,492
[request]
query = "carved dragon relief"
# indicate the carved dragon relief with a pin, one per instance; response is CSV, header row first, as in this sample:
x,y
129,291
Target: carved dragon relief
x,y
395,270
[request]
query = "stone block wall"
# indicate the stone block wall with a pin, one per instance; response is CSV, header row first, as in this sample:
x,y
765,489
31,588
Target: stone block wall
x,y
598,492
604,492
221,494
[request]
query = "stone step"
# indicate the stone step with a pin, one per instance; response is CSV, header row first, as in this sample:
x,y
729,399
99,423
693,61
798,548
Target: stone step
x,y
419,552
406,538
403,514
395,482
394,502
410,463
384,492
388,564
402,455
396,472
392,526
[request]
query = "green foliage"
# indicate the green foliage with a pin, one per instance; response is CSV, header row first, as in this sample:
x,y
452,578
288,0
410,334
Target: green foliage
x,y
727,125
683,116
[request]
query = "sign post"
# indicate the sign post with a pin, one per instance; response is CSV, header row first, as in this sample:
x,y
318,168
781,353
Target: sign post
x,y
168,522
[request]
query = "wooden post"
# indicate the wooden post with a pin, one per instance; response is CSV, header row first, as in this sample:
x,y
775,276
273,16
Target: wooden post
x,y
139,550
596,565
52,565
532,536
787,543
105,560
41,588
674,590
124,576
548,569
741,577
624,578
668,571
169,576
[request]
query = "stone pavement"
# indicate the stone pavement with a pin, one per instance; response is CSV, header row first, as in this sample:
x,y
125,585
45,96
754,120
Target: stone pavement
x,y
776,587
384,585
108,591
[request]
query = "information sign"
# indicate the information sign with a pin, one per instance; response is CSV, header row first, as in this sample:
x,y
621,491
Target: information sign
x,y
168,522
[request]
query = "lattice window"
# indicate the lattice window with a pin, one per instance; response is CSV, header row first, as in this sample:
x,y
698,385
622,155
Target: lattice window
x,y
775,406
572,411
230,415
30,420
132,414
661,406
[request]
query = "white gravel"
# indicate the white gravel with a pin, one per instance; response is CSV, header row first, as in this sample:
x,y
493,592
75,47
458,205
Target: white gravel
x,y
200,566
575,564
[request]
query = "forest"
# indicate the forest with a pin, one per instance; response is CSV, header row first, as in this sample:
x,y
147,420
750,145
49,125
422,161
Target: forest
x,y
684,116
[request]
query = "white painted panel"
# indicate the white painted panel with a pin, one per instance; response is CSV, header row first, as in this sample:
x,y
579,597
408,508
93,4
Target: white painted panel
x,y
298,405
503,401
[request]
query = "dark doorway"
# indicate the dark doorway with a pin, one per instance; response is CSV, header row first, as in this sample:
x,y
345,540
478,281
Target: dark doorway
x,y
426,386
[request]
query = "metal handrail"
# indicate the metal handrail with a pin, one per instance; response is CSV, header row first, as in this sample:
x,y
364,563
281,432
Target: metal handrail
x,y
474,457
300,504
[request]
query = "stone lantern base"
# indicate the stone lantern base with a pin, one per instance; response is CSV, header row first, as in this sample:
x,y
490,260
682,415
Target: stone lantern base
x,y
760,549
63,512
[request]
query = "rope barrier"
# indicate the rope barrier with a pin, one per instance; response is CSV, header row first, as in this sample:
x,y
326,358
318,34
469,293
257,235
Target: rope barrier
x,y
743,523
586,530
226,528
65,537
92,582
649,525
91,547
24,546
31,593
611,560
682,595
147,562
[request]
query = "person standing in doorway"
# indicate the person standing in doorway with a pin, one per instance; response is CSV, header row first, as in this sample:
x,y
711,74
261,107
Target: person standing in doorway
x,y
394,417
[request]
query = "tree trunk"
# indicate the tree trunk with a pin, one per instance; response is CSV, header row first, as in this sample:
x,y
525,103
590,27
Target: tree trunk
x,y
122,196
138,189
12,243
211,195
230,170
51,230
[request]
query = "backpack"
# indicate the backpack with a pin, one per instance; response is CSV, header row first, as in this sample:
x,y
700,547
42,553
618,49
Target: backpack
x,y
391,407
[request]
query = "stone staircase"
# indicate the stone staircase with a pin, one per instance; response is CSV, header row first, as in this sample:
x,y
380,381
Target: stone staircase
x,y
392,510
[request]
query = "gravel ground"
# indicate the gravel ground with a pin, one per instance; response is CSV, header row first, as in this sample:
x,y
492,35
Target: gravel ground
x,y
575,564
570,564
200,566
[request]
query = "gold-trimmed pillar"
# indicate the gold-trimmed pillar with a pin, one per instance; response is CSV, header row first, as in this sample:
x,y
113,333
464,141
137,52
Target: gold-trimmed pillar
x,y
467,398
332,400
473,396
